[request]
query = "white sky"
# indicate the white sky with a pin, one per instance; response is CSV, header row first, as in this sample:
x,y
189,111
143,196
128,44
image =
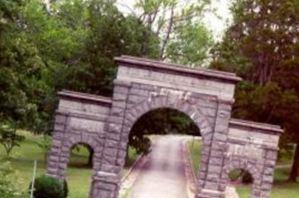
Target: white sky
x,y
216,24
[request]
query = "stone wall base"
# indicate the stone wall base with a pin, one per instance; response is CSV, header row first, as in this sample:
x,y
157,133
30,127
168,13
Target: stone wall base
x,y
207,193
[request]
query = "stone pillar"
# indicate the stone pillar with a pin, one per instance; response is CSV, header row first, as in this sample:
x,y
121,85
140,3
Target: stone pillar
x,y
106,181
58,155
212,187
268,172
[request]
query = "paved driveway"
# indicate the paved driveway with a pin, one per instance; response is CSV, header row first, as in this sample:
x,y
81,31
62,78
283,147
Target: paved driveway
x,y
163,175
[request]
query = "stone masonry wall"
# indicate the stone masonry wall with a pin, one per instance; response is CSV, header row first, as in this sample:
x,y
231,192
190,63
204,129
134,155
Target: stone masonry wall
x,y
252,147
80,118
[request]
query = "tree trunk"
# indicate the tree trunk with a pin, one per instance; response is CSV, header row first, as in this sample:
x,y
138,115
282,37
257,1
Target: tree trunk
x,y
295,166
169,29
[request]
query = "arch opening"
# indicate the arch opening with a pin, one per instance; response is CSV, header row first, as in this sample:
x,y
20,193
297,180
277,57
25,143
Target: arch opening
x,y
160,121
240,183
81,156
162,133
79,169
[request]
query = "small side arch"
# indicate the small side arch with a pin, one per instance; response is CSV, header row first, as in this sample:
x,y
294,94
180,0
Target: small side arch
x,y
244,165
73,140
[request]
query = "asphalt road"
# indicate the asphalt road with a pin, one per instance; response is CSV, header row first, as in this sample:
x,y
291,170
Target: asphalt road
x,y
163,175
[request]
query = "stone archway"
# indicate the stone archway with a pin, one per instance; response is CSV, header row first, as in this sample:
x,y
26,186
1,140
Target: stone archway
x,y
141,85
75,140
244,165
182,105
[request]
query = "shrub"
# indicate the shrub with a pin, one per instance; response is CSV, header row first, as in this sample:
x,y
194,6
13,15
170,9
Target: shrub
x,y
9,137
49,187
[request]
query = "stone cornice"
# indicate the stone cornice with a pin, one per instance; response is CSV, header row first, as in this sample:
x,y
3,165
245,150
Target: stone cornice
x,y
162,66
83,96
256,125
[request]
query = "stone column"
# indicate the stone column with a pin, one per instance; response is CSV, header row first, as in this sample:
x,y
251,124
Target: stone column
x,y
58,155
268,172
212,187
106,181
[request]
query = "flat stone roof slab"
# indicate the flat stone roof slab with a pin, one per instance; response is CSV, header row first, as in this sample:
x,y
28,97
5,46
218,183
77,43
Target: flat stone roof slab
x,y
159,65
256,125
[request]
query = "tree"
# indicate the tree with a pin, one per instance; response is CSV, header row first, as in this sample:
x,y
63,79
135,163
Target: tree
x,y
262,47
9,137
183,37
21,68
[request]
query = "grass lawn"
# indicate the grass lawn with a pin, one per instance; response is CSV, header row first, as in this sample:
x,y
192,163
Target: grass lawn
x,y
78,174
281,188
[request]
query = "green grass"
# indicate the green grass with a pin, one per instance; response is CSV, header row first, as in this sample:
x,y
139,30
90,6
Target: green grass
x,y
281,188
195,149
78,173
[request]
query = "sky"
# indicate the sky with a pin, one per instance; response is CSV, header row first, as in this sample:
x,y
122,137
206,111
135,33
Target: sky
x,y
216,25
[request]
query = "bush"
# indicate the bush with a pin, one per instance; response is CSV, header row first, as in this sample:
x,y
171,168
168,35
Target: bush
x,y
49,187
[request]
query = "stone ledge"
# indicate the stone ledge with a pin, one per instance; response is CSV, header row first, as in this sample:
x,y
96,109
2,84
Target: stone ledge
x,y
256,125
159,65
83,96
79,114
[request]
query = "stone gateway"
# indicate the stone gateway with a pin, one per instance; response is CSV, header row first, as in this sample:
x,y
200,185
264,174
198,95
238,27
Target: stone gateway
x,y
142,85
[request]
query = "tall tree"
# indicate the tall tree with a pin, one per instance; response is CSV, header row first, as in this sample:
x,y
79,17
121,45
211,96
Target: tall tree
x,y
183,37
262,47
21,68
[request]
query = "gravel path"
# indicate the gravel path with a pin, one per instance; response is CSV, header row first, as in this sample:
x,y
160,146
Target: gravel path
x,y
163,175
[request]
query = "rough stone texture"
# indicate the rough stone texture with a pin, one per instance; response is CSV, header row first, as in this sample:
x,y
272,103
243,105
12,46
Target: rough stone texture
x,y
142,85
253,147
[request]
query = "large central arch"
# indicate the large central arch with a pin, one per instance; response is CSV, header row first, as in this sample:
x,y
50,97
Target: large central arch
x,y
182,105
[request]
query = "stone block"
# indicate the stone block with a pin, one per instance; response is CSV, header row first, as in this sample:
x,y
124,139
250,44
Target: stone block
x,y
110,151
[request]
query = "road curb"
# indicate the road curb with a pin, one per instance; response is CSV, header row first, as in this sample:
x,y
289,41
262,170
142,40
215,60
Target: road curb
x,y
189,172
139,158
130,177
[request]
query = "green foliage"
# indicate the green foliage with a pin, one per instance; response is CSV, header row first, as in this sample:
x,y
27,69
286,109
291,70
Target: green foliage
x,y
7,185
262,47
190,45
70,46
45,144
9,137
183,37
142,144
49,187
22,87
